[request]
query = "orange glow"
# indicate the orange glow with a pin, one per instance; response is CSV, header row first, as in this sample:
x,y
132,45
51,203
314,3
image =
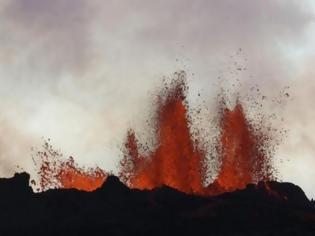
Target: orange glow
x,y
242,159
56,172
176,162
71,176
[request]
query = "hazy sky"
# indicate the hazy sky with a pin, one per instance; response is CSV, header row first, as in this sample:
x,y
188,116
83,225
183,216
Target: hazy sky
x,y
81,72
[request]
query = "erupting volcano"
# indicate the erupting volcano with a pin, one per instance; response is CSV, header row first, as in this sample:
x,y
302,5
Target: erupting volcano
x,y
242,156
177,161
55,172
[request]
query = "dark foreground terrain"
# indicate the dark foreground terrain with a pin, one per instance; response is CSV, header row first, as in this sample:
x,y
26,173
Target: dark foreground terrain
x,y
263,209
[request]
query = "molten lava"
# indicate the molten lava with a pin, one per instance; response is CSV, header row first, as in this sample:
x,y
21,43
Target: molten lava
x,y
55,172
242,156
178,162
70,176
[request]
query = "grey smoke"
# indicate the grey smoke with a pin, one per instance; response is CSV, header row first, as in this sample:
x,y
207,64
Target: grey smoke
x,y
81,72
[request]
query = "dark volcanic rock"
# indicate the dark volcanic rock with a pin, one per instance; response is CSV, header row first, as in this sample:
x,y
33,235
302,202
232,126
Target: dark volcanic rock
x,y
268,208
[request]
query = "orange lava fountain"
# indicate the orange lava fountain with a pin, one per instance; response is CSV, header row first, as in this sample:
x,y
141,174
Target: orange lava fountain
x,y
179,163
176,161
56,172
242,156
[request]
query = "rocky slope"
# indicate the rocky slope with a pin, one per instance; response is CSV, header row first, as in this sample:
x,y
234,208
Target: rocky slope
x,y
268,208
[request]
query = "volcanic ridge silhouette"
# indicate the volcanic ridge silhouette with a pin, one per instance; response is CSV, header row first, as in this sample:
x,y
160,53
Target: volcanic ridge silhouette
x,y
266,208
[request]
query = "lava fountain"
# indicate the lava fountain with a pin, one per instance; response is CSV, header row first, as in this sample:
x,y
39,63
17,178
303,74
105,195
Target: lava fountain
x,y
177,160
242,153
56,172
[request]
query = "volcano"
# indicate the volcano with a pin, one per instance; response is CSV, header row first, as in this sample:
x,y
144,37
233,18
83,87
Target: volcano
x,y
267,208
163,191
178,161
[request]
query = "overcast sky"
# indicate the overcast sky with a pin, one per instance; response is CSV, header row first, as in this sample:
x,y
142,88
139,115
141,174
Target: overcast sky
x,y
82,72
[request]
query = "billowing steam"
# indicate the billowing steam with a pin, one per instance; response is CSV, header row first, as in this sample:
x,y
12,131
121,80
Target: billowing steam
x,y
81,72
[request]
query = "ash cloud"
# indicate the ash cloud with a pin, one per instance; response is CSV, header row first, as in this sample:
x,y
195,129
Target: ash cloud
x,y
82,72
51,35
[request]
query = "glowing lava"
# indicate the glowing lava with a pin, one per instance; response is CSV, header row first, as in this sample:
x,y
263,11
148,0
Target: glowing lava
x,y
70,176
56,172
242,156
177,162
